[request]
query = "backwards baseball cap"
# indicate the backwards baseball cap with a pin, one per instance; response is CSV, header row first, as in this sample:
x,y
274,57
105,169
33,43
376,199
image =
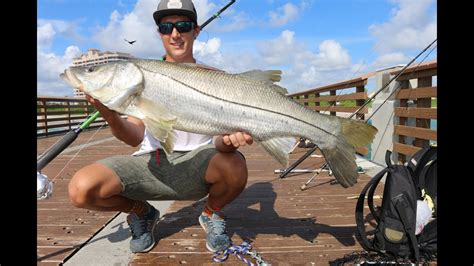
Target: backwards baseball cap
x,y
175,7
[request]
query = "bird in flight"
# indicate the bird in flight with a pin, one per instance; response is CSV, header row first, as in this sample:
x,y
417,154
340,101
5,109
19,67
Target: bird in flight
x,y
130,42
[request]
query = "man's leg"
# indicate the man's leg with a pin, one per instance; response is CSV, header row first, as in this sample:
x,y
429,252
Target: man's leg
x,y
97,187
227,173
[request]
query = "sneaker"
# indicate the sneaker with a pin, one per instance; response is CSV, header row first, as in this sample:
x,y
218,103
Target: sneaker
x,y
142,230
216,234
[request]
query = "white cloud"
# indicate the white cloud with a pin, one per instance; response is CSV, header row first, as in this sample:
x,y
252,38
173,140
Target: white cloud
x,y
283,15
45,35
390,59
281,49
137,25
49,64
332,56
411,27
208,51
49,67
304,68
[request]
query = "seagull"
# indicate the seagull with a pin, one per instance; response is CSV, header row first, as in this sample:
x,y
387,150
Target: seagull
x,y
130,42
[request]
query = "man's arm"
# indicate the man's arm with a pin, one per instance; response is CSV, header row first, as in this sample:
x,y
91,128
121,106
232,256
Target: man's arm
x,y
128,130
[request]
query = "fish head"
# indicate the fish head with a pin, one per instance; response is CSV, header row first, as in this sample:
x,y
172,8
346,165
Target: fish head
x,y
114,84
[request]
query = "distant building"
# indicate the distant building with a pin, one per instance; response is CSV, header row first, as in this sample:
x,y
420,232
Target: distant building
x,y
95,57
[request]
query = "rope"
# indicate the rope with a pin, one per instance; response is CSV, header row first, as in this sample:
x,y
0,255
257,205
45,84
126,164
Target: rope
x,y
240,251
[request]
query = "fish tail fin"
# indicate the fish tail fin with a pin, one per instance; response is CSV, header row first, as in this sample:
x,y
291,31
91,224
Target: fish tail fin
x,y
341,158
357,133
279,148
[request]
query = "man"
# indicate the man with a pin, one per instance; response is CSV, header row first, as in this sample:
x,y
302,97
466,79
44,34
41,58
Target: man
x,y
200,165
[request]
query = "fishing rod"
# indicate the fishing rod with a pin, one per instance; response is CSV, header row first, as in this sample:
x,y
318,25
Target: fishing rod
x,y
44,187
217,14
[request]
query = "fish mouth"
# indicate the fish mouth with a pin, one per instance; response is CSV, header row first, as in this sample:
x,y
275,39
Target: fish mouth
x,y
70,78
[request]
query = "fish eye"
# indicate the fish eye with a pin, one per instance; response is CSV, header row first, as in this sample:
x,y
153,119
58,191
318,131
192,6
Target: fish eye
x,y
90,69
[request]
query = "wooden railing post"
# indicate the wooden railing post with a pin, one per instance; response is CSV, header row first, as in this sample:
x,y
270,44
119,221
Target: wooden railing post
x,y
332,103
423,102
316,95
69,113
404,85
359,103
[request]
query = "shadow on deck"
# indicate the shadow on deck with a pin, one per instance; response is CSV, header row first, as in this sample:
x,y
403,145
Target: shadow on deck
x,y
285,224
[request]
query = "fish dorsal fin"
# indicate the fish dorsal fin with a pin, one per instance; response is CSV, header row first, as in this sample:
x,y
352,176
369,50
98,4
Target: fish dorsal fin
x,y
159,121
279,148
268,77
279,89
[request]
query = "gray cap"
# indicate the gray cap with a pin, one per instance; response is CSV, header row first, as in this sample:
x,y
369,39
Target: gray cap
x,y
175,7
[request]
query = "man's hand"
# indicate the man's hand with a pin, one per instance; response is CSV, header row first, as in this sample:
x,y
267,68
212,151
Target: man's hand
x,y
128,130
104,111
231,142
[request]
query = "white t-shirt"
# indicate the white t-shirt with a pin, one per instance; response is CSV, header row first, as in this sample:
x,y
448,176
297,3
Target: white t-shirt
x,y
185,141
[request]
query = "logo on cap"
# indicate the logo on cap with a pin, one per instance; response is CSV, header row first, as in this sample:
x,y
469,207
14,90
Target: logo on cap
x,y
175,4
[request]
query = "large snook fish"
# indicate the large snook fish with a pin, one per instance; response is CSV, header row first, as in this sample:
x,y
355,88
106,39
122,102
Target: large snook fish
x,y
198,99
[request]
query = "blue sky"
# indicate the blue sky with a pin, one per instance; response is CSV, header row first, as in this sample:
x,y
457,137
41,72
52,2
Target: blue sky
x,y
314,42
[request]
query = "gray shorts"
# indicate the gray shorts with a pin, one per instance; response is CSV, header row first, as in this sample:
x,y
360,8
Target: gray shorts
x,y
179,176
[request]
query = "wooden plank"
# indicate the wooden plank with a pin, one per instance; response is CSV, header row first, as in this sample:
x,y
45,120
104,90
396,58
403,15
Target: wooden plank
x,y
430,65
360,81
421,133
61,227
337,109
405,149
350,96
414,112
413,94
419,74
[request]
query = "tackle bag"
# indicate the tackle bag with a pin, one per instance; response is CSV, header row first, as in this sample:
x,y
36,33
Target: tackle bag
x,y
406,187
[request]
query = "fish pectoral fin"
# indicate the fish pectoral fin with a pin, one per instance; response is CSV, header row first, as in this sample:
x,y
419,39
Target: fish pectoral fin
x,y
162,131
159,121
279,148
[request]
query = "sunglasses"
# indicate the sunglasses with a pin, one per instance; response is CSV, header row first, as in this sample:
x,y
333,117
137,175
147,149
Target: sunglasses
x,y
181,26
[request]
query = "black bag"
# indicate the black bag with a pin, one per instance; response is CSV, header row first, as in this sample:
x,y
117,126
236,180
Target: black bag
x,y
396,219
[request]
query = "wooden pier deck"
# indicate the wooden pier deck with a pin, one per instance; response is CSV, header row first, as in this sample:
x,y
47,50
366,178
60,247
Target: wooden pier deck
x,y
287,226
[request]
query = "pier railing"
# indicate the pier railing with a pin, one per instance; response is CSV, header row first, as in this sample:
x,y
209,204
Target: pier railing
x,y
341,99
404,119
417,106
58,115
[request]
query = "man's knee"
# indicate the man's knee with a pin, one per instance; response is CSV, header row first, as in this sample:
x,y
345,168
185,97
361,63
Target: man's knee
x,y
80,189
235,169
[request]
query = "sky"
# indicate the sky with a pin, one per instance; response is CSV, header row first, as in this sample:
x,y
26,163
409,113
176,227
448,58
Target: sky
x,y
314,42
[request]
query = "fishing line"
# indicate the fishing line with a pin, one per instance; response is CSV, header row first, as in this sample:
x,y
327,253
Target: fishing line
x,y
75,155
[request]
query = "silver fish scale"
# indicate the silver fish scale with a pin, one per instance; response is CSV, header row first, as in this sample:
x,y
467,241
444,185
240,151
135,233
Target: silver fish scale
x,y
210,102
260,109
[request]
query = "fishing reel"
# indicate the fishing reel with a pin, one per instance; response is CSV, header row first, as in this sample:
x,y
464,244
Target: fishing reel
x,y
44,187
